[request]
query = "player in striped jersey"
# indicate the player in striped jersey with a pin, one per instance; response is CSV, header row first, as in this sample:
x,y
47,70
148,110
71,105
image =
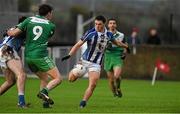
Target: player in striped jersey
x,y
97,40
11,65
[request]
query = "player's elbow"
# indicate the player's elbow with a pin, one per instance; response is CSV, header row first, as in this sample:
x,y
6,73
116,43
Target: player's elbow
x,y
14,32
78,45
11,33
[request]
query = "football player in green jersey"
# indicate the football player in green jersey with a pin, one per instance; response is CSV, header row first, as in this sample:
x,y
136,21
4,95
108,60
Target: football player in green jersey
x,y
38,30
114,59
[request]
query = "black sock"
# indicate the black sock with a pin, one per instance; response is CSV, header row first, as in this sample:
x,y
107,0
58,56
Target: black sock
x,y
118,83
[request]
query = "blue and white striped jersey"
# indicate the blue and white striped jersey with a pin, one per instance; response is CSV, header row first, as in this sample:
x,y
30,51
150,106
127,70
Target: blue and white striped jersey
x,y
96,45
12,42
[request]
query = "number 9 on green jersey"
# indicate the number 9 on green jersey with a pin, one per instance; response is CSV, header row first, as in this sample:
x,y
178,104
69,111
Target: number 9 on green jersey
x,y
38,31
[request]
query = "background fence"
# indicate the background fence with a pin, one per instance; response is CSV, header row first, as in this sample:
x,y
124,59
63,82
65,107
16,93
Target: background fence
x,y
56,53
162,14
138,66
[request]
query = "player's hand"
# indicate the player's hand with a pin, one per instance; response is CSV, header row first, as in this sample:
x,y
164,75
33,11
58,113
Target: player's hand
x,y
123,56
128,50
65,57
109,45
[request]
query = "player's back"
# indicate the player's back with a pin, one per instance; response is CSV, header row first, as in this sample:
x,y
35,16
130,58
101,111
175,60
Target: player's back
x,y
38,31
13,42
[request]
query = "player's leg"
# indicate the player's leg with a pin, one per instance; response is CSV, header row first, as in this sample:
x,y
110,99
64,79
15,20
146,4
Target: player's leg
x,y
93,79
47,67
78,71
43,79
55,81
72,77
43,83
56,78
117,79
108,66
111,80
15,65
10,80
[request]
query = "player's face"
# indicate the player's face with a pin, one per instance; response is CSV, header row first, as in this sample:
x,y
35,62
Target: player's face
x,y
99,26
153,32
112,25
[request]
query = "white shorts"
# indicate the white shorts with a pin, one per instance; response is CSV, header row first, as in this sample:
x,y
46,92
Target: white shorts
x,y
91,66
5,58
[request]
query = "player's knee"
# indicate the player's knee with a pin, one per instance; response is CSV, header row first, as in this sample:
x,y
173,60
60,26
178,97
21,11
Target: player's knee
x,y
117,75
72,78
23,76
59,80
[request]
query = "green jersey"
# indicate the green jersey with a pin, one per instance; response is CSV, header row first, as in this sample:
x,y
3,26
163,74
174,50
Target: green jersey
x,y
113,49
38,31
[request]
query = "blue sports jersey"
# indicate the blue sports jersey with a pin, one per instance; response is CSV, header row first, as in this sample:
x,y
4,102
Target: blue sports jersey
x,y
14,43
96,45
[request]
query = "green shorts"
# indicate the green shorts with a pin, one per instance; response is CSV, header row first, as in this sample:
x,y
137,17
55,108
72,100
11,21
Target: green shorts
x,y
112,61
42,64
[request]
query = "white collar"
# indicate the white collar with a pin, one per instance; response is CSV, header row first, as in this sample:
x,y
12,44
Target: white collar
x,y
100,33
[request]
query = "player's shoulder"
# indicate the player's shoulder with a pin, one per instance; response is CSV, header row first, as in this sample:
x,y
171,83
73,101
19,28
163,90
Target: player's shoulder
x,y
91,32
119,34
52,24
26,20
109,34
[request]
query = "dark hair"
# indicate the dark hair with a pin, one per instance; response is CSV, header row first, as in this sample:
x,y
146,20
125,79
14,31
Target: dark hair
x,y
44,9
101,18
21,19
112,19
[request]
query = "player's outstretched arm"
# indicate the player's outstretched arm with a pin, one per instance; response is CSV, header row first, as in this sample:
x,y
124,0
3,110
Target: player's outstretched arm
x,y
14,32
73,50
120,44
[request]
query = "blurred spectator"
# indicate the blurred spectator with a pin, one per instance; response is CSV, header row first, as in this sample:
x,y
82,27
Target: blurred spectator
x,y
134,39
153,37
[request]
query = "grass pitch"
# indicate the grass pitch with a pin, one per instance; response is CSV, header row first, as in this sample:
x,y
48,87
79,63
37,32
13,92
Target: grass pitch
x,y
138,97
